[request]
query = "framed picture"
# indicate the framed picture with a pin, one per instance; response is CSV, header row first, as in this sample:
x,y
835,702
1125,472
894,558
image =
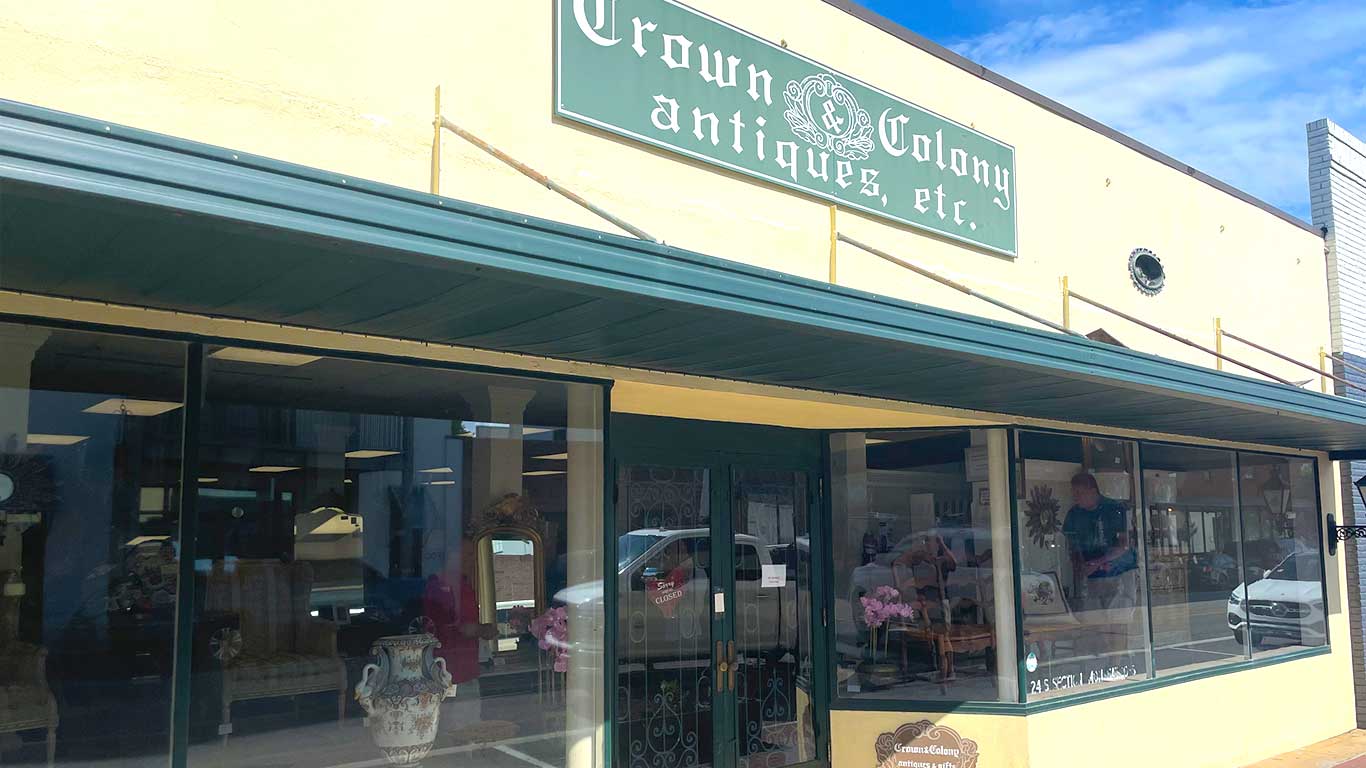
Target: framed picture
x,y
1041,594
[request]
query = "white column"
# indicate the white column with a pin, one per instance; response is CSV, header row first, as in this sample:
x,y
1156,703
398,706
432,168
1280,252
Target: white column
x,y
583,689
18,343
497,472
1002,557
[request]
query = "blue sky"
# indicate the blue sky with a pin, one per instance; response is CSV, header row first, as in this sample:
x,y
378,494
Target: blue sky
x,y
1226,87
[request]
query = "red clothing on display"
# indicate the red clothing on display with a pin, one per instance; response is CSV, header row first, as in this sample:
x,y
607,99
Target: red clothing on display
x,y
449,610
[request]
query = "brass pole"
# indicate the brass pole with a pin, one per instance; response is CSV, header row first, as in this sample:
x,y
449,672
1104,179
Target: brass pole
x,y
436,146
1066,304
1176,337
543,180
1218,345
1322,371
834,238
954,285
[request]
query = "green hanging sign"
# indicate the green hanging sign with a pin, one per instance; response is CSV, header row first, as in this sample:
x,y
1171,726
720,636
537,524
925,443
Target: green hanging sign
x,y
665,74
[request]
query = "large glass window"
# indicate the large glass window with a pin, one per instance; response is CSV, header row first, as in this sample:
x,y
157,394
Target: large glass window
x,y
90,431
1194,557
1081,583
921,565
1280,603
395,559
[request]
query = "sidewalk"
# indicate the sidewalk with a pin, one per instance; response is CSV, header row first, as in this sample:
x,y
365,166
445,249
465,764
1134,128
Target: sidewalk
x,y
1345,751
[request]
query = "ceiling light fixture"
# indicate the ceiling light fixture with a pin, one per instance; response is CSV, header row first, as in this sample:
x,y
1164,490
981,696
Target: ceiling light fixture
x,y
369,453
36,439
122,406
263,356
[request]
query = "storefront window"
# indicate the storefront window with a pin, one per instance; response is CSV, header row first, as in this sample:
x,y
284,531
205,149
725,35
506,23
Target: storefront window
x,y
1279,605
1194,554
922,570
1082,585
395,559
90,429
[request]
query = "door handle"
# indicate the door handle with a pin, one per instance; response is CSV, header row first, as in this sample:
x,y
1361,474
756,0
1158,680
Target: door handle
x,y
721,666
734,665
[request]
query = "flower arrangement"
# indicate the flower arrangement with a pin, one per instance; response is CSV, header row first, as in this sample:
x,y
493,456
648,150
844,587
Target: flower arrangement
x,y
881,606
551,630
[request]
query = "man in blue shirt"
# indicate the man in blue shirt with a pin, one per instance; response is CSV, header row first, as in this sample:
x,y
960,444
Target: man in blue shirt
x,y
1104,563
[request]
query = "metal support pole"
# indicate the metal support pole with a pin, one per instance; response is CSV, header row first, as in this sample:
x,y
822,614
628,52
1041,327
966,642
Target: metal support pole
x,y
436,146
833,239
545,181
1182,339
1066,304
955,285
1322,370
1218,345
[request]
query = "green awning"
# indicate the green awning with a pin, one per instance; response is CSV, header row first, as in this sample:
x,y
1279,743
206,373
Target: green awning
x,y
102,212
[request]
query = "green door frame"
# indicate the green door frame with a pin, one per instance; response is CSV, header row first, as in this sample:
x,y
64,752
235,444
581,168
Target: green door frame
x,y
637,440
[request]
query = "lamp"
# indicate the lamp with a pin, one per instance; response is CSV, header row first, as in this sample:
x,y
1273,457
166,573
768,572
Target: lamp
x,y
1276,493
1337,532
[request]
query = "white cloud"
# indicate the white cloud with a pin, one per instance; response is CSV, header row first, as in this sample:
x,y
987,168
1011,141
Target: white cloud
x,y
1226,90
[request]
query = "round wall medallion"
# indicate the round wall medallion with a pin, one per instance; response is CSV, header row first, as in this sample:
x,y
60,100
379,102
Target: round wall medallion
x,y
6,487
1145,269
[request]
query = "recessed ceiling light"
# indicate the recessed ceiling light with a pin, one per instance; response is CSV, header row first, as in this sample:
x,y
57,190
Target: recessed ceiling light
x,y
441,482
119,406
437,471
553,457
271,468
263,356
207,480
34,439
542,472
347,481
368,453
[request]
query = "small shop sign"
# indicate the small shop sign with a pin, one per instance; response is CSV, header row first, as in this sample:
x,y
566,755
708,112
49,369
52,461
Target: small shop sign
x,y
665,74
925,745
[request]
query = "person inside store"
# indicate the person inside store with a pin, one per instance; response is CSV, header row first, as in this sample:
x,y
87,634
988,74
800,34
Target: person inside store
x,y
451,604
1104,565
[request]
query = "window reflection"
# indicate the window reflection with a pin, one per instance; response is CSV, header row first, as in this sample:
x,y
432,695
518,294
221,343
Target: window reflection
x,y
1194,554
369,529
1082,588
90,431
915,605
1279,605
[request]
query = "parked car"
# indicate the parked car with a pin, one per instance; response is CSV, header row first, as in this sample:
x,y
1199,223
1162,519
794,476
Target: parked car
x,y
665,599
1287,602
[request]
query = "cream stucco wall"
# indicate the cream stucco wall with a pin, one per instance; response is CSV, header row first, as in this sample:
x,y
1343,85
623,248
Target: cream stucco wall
x,y
347,86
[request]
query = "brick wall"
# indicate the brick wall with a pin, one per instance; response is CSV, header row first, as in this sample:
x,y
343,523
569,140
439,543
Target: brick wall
x,y
1337,189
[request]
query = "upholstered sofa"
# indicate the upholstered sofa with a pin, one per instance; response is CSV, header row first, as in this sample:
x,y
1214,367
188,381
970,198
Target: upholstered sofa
x,y
277,649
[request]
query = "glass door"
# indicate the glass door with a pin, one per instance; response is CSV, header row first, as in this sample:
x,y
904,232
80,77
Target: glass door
x,y
772,669
715,661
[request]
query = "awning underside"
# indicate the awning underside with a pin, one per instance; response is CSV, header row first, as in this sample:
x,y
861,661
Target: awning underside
x,y
166,224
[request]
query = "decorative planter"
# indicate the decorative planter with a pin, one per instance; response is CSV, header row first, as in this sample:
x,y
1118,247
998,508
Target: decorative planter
x,y
402,695
877,674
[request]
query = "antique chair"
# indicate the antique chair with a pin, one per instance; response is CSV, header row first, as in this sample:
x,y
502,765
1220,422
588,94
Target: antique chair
x,y
26,701
277,649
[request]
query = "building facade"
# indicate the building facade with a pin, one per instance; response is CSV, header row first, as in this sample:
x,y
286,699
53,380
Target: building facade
x,y
331,439
1337,162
